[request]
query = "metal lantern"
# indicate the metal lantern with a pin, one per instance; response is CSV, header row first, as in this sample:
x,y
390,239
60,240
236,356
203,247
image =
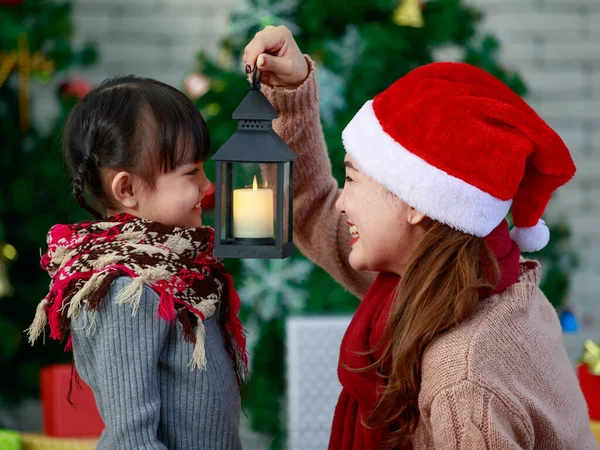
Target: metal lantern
x,y
253,220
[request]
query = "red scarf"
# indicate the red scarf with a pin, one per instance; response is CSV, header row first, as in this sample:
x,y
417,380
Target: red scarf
x,y
360,391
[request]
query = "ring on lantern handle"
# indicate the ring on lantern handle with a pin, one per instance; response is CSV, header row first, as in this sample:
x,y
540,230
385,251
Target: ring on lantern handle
x,y
255,85
254,222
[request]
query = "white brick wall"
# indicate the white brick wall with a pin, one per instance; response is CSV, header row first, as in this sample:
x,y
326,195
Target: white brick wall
x,y
154,38
563,74
554,43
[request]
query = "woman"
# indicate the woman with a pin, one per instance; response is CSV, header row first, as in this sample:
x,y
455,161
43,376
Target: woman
x,y
453,345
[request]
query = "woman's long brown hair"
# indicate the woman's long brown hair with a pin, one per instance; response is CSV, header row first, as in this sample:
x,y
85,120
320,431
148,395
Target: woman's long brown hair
x,y
440,288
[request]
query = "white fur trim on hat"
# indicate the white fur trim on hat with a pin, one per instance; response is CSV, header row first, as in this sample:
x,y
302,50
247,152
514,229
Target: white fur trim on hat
x,y
531,239
426,188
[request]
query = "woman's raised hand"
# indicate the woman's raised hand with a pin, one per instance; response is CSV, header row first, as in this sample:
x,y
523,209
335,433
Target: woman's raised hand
x,y
277,56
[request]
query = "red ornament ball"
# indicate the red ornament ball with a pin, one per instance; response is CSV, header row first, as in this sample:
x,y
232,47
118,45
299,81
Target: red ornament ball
x,y
196,85
11,2
75,88
208,202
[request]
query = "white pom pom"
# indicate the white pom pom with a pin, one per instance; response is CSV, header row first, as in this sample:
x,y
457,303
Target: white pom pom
x,y
531,239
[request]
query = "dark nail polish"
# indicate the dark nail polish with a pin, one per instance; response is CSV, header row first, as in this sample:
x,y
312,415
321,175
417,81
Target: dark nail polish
x,y
248,68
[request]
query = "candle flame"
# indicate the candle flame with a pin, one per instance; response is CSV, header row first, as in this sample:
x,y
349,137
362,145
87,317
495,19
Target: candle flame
x,y
266,184
254,184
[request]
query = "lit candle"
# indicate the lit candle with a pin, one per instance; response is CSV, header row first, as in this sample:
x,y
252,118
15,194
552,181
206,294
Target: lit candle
x,y
253,212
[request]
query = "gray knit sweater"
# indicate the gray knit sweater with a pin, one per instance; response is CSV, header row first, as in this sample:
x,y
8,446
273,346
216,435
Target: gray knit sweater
x,y
147,395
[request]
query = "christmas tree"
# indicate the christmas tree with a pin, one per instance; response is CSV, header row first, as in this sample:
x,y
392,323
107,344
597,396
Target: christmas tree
x,y
360,48
35,45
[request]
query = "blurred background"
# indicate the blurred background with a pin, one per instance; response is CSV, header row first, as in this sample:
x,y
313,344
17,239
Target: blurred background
x,y
53,52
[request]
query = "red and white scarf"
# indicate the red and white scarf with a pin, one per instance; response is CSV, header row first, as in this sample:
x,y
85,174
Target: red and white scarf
x,y
83,259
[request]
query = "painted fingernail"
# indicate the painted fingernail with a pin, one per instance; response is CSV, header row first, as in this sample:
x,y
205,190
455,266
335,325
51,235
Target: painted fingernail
x,y
248,68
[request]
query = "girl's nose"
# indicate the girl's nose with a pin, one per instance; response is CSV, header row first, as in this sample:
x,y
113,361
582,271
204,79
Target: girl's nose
x,y
206,185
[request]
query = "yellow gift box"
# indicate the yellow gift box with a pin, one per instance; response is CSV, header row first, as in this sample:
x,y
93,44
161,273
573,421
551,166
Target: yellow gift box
x,y
596,430
31,441
39,442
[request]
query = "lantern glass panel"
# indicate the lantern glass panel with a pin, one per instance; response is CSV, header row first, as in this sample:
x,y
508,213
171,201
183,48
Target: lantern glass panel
x,y
250,206
226,232
287,193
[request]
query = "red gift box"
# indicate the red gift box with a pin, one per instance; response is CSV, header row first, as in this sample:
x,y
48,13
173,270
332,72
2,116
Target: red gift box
x,y
61,419
590,386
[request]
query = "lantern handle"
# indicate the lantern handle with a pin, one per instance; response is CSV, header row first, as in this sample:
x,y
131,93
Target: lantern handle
x,y
255,86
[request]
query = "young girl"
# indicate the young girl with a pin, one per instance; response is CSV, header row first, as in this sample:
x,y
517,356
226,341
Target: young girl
x,y
453,346
152,315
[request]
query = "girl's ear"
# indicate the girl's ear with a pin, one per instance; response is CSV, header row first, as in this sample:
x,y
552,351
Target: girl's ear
x,y
123,190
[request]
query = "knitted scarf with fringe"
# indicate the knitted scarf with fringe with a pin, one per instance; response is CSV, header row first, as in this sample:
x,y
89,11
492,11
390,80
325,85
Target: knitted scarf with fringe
x,y
83,259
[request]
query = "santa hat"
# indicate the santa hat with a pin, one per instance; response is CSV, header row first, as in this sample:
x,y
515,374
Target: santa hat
x,y
460,146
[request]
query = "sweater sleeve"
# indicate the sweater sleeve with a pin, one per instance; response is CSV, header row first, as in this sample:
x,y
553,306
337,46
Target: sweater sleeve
x,y
468,416
320,231
123,352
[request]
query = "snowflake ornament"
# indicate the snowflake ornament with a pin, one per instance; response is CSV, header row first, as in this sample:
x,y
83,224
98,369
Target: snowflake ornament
x,y
348,49
331,94
332,86
272,288
262,13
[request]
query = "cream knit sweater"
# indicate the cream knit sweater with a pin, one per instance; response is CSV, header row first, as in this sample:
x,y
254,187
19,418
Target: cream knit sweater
x,y
500,380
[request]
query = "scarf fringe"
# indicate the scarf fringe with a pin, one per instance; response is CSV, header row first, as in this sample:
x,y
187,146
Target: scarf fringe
x,y
132,294
86,290
199,356
38,325
166,306
208,306
91,329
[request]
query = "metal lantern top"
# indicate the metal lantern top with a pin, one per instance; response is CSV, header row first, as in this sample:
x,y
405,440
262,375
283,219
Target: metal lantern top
x,y
255,140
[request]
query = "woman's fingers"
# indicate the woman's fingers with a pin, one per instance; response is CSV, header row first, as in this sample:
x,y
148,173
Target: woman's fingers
x,y
276,54
269,40
280,65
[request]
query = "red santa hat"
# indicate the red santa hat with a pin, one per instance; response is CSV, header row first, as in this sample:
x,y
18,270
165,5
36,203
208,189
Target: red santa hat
x,y
460,146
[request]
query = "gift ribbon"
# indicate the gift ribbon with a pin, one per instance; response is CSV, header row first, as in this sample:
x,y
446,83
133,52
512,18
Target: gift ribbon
x,y
591,356
25,62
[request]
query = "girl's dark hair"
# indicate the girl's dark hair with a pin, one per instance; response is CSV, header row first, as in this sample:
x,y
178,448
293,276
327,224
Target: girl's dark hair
x,y
134,124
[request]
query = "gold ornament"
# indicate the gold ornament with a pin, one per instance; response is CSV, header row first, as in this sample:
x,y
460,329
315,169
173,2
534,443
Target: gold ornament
x,y
26,63
7,253
591,356
213,109
408,14
225,58
6,289
219,85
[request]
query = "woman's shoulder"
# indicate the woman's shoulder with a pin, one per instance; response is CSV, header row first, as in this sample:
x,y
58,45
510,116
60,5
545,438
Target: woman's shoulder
x,y
511,334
